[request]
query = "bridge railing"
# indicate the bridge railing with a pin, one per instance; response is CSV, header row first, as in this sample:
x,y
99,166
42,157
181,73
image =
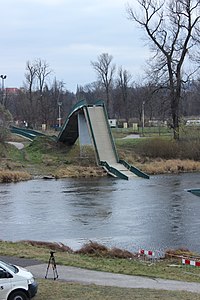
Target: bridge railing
x,y
134,170
112,170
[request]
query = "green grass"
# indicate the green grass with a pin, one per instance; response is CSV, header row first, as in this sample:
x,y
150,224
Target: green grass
x,y
146,131
10,152
161,269
51,290
59,290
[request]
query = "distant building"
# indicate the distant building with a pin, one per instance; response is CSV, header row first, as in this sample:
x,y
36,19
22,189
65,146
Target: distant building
x,y
12,91
112,123
193,122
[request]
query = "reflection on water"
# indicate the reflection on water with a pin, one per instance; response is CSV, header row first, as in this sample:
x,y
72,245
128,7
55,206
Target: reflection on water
x,y
156,213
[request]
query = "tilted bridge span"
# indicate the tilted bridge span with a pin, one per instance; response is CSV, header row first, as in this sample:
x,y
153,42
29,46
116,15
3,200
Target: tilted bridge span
x,y
90,124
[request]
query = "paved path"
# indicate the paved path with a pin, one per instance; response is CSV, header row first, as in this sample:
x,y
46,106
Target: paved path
x,y
17,145
131,136
72,274
83,276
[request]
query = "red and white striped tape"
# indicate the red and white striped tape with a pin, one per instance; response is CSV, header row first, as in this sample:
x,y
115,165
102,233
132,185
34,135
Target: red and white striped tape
x,y
146,252
190,262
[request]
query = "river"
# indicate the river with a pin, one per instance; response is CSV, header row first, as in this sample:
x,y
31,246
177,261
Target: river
x,y
151,214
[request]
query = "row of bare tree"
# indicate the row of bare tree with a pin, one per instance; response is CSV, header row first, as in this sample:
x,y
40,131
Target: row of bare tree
x,y
127,100
171,91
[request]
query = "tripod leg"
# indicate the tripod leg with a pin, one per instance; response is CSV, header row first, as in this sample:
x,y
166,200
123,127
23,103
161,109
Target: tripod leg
x,y
48,268
54,269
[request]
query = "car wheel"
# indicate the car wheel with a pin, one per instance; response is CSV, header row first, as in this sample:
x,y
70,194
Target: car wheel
x,y
18,295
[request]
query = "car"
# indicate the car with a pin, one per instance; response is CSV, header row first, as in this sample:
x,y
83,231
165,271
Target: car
x,y
16,283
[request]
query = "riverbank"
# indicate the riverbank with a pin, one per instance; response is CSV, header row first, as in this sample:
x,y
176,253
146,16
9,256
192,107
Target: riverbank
x,y
46,159
79,276
78,283
153,167
94,256
75,283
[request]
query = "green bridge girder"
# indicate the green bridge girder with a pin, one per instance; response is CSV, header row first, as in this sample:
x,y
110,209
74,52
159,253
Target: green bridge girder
x,y
69,133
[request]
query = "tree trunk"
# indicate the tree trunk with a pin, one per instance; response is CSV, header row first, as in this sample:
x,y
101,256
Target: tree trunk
x,y
175,116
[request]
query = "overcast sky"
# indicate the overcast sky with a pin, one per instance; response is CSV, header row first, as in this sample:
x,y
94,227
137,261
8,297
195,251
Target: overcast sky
x,y
68,35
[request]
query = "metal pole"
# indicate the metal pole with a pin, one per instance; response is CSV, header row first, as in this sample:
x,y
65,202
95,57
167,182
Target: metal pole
x,y
59,114
143,103
3,77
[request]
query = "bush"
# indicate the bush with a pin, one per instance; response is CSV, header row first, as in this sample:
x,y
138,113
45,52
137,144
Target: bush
x,y
4,134
5,120
169,149
158,147
99,250
190,150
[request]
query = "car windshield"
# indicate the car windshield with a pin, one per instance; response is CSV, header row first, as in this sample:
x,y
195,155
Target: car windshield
x,y
10,267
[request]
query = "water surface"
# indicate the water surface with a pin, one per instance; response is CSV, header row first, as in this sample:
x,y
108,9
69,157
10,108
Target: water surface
x,y
152,214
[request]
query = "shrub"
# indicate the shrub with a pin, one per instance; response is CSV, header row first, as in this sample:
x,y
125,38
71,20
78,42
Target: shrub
x,y
169,149
99,250
158,147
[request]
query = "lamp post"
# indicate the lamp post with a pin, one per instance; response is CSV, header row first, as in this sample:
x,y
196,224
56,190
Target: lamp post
x,y
3,77
143,104
59,113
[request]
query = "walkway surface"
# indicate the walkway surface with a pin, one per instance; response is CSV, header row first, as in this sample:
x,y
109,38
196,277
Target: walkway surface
x,y
17,145
72,274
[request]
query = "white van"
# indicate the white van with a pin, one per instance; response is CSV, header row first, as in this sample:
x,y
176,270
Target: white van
x,y
16,283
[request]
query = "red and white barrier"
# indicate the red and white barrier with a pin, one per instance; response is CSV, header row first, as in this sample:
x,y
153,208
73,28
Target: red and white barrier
x,y
189,262
146,252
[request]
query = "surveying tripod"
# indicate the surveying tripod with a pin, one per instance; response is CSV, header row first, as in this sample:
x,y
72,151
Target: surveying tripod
x,y
52,262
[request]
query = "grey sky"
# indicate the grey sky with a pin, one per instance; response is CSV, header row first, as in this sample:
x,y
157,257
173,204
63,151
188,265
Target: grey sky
x,y
68,35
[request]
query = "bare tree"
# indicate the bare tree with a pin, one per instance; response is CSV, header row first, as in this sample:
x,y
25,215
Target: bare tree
x,y
124,78
172,28
29,106
36,96
105,70
42,72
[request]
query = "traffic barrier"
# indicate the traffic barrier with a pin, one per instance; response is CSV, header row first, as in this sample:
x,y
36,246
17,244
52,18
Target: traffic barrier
x,y
147,252
194,263
147,255
151,254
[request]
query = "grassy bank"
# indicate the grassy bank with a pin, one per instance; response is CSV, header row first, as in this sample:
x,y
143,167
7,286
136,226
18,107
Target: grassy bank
x,y
98,257
161,155
51,290
45,157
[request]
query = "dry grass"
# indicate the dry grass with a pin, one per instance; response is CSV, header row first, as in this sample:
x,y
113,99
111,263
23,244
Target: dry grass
x,y
13,176
181,252
96,249
90,248
79,171
49,245
161,166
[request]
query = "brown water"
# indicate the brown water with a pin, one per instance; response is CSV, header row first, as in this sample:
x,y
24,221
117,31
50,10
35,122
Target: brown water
x,y
150,214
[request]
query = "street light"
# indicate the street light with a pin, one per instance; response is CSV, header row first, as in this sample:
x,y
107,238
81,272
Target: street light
x,y
3,77
59,113
143,120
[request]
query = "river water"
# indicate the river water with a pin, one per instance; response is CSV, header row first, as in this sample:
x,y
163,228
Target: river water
x,y
151,214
